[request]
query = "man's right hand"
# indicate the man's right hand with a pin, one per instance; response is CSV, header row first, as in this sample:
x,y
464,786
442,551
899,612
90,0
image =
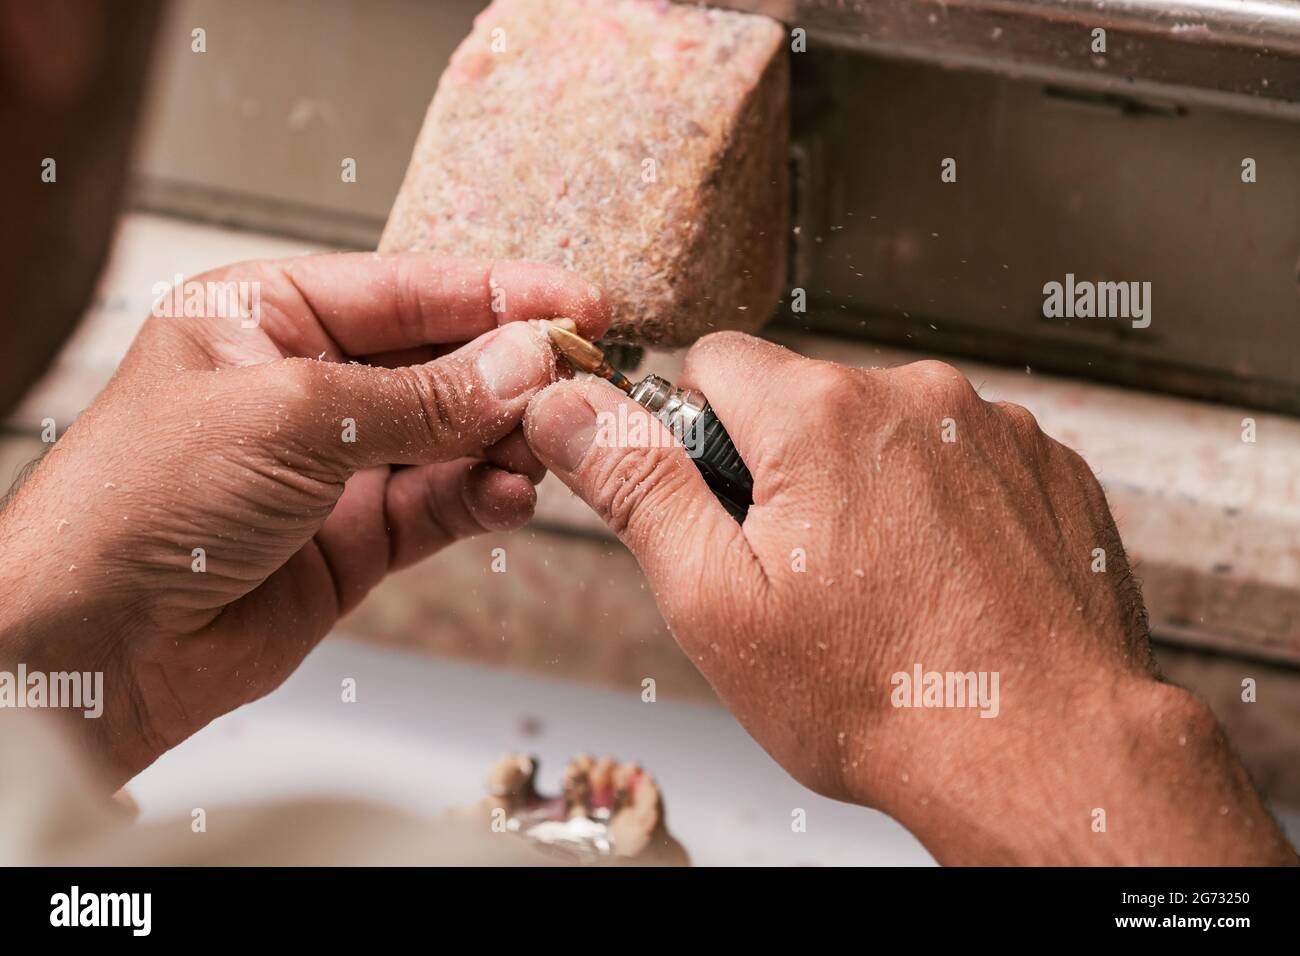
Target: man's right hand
x,y
902,524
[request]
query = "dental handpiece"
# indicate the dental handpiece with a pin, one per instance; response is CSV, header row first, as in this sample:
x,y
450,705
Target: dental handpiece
x,y
685,412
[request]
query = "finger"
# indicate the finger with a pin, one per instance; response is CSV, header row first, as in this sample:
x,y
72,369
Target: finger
x,y
384,521
354,540
432,506
748,382
338,418
369,303
642,484
513,454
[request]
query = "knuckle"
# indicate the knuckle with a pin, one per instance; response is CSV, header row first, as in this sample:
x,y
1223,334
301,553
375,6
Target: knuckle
x,y
941,379
634,482
313,402
273,276
303,377
711,349
407,304
304,386
1021,419
441,397
1073,471
1075,464
833,392
725,339
731,346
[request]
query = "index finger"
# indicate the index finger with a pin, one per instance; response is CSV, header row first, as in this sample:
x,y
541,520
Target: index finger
x,y
747,381
370,303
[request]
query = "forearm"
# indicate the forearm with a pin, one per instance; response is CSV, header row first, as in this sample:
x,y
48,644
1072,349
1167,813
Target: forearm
x,y
1143,777
60,626
50,576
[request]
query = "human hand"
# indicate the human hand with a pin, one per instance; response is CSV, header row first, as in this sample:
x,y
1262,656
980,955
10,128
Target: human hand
x,y
902,524
207,520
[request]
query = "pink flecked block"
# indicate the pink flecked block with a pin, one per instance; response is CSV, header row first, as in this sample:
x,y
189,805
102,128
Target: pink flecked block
x,y
639,143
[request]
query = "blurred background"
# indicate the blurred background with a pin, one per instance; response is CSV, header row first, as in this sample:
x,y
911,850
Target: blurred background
x,y
1123,168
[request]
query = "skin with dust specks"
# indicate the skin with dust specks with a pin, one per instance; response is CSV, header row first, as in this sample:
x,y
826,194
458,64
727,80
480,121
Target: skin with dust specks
x,y
900,520
961,556
269,450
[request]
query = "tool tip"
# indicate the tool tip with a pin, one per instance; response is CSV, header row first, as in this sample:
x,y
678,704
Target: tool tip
x,y
580,353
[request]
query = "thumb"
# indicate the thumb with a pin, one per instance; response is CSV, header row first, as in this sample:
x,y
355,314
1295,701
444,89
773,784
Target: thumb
x,y
629,468
346,417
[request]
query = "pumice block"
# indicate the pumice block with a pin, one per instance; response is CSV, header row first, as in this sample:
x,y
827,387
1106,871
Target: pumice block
x,y
640,143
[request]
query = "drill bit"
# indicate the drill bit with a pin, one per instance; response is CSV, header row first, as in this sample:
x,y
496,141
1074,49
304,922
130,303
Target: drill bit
x,y
585,357
685,411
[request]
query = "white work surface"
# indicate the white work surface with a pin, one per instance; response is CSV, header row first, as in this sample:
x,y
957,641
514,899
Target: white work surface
x,y
423,732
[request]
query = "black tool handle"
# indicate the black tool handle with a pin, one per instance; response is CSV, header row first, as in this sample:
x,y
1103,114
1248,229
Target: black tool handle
x,y
721,465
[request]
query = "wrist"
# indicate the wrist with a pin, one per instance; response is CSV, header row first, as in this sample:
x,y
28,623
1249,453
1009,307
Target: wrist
x,y
1116,775
59,631
42,611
